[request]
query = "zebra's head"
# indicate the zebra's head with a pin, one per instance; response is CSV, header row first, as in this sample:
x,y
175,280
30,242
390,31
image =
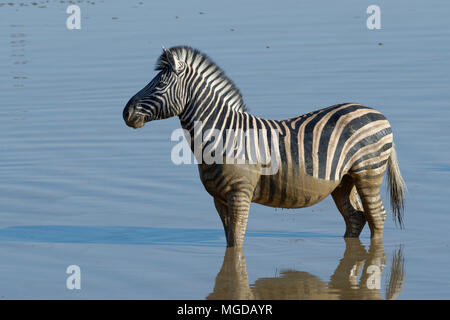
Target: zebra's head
x,y
163,97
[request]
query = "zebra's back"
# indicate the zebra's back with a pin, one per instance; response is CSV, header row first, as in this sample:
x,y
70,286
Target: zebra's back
x,y
317,149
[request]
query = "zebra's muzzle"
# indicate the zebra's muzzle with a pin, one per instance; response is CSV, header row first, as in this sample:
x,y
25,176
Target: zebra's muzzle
x,y
135,124
130,115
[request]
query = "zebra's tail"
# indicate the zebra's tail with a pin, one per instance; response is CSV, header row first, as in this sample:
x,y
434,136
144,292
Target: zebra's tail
x,y
397,188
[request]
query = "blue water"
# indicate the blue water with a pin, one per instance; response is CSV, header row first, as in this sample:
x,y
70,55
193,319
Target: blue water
x,y
79,187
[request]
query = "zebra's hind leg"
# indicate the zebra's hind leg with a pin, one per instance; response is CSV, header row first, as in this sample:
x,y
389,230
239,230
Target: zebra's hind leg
x,y
368,183
347,202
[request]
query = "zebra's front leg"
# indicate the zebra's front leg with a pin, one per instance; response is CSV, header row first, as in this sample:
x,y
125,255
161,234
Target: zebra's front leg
x,y
238,208
222,209
234,215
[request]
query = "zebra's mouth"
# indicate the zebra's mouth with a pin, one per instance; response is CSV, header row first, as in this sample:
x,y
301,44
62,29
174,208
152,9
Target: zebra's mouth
x,y
132,114
138,123
135,121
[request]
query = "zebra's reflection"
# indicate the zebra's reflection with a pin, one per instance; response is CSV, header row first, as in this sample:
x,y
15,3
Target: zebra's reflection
x,y
357,276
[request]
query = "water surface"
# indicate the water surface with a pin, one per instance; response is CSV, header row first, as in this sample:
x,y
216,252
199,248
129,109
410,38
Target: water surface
x,y
79,187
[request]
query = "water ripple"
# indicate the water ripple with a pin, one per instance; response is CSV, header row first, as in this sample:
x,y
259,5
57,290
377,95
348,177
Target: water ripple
x,y
121,235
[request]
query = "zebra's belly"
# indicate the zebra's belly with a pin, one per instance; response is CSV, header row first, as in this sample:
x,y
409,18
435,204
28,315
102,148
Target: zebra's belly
x,y
292,191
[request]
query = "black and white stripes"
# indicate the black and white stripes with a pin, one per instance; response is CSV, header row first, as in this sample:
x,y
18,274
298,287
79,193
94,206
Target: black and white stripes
x,y
339,150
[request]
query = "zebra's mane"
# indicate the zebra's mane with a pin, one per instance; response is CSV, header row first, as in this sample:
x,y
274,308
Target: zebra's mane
x,y
200,61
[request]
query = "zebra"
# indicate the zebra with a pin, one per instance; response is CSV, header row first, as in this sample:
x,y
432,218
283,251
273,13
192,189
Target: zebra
x,y
342,150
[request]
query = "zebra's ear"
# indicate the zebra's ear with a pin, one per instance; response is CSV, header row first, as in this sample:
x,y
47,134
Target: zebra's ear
x,y
175,64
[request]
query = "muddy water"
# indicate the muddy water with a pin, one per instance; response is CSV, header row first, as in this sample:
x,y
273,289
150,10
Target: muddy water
x,y
78,187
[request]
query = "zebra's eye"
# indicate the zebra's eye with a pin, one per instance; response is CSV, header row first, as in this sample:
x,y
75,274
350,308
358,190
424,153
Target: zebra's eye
x,y
160,85
163,83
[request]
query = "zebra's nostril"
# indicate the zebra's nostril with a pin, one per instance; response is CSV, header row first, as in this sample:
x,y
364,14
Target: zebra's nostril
x,y
129,109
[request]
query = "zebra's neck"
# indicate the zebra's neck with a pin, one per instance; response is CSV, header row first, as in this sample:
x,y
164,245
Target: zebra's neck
x,y
211,113
211,101
208,91
214,106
